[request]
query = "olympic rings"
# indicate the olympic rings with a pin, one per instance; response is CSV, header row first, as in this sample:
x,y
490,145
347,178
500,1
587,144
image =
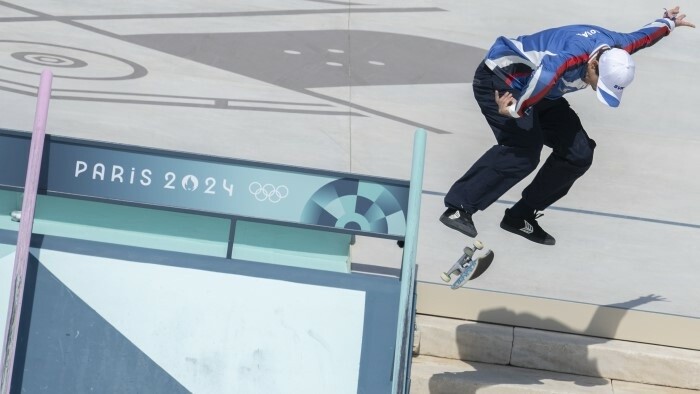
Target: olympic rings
x,y
269,192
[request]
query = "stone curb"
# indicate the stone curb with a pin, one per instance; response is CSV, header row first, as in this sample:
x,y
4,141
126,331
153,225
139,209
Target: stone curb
x,y
620,387
464,340
557,352
432,375
613,359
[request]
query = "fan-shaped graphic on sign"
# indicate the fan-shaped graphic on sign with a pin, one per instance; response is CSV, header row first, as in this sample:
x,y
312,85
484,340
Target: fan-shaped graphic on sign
x,y
355,205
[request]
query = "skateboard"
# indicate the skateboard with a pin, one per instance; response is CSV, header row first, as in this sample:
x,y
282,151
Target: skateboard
x,y
470,266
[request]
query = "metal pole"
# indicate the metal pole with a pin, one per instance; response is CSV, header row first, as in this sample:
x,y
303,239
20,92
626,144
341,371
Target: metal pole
x,y
409,260
25,231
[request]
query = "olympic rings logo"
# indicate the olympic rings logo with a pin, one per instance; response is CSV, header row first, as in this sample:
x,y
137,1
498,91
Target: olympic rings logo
x,y
271,193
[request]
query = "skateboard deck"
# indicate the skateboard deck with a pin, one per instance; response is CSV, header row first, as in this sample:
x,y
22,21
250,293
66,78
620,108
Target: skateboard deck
x,y
470,266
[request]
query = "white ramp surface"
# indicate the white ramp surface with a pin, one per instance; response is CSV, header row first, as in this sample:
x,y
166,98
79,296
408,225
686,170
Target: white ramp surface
x,y
217,333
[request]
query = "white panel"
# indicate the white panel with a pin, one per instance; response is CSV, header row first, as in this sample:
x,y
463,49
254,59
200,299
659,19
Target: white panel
x,y
217,332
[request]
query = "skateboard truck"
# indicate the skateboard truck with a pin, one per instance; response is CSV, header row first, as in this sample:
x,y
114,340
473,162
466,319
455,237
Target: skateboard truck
x,y
469,266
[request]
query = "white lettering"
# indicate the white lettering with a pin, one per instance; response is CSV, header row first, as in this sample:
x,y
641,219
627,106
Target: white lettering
x,y
80,167
588,33
98,171
117,172
146,177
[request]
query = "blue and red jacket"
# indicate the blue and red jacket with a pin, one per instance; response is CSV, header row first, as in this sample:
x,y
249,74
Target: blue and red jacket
x,y
553,62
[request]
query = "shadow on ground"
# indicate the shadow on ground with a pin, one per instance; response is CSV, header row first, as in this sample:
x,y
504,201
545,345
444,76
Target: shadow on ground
x,y
482,375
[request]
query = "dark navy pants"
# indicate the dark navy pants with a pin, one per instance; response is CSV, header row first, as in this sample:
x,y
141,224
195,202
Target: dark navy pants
x,y
552,123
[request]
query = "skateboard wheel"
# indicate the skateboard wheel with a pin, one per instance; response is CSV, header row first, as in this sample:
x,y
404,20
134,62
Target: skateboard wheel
x,y
468,251
478,244
16,216
445,277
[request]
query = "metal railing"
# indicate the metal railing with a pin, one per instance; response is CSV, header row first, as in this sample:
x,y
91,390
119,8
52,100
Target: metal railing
x,y
404,334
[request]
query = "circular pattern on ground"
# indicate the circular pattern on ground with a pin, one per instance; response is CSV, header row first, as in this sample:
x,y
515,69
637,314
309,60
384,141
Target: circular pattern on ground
x,y
49,59
66,62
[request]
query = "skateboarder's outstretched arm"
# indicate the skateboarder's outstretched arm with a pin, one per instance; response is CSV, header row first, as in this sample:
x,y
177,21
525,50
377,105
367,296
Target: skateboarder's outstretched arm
x,y
556,61
652,32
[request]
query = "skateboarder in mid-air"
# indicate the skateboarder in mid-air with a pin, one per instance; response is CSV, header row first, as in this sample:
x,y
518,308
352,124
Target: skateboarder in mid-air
x,y
520,87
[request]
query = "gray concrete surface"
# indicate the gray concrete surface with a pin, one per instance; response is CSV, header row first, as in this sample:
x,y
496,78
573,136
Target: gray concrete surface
x,y
342,85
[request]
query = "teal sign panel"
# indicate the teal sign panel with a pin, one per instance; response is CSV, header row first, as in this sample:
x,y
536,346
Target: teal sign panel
x,y
213,185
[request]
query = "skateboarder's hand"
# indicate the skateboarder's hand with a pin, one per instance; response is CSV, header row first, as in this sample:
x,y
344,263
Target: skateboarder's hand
x,y
652,297
504,101
675,15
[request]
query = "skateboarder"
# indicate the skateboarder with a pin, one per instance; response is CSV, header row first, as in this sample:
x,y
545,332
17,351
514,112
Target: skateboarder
x,y
519,88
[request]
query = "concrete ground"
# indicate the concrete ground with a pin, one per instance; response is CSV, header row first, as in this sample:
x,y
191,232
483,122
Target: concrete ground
x,y
342,85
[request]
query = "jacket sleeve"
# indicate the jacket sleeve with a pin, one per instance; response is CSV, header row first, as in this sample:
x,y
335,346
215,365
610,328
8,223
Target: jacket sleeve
x,y
543,79
553,67
644,37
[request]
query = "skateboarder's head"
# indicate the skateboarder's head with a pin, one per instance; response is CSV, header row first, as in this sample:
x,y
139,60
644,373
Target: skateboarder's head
x,y
609,72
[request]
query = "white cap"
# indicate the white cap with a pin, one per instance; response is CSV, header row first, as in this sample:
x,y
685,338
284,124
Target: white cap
x,y
615,73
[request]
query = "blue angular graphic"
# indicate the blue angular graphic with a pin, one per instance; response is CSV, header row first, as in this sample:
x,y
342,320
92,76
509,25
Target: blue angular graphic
x,y
66,347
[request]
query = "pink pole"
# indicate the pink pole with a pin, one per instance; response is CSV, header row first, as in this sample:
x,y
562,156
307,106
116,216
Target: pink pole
x,y
24,236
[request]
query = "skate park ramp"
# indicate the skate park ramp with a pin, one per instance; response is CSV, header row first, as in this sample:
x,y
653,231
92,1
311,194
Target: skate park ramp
x,y
184,285
342,86
175,323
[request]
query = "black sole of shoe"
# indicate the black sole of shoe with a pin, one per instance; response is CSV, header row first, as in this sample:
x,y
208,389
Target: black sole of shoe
x,y
520,233
449,223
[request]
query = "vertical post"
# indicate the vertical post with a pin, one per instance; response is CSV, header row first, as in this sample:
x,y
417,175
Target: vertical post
x,y
25,231
408,265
